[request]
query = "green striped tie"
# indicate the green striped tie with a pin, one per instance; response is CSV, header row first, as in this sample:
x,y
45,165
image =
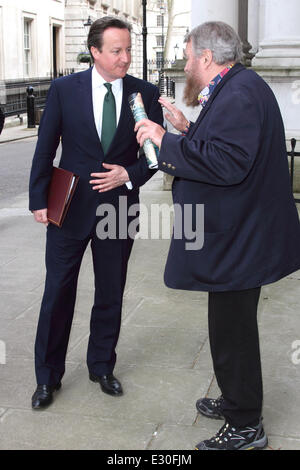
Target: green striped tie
x,y
109,122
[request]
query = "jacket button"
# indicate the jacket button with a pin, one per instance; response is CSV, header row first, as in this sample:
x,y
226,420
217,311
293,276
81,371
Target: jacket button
x,y
173,168
164,163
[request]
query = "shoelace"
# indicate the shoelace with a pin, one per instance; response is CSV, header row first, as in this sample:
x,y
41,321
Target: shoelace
x,y
221,433
218,401
227,432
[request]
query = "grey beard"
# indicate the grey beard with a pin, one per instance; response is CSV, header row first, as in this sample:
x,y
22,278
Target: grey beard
x,y
191,93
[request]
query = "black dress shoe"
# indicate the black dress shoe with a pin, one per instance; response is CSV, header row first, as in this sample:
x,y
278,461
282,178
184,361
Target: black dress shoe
x,y
108,383
43,395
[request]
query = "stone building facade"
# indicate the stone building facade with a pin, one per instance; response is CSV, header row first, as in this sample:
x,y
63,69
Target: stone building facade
x,y
272,30
31,38
167,24
78,13
42,38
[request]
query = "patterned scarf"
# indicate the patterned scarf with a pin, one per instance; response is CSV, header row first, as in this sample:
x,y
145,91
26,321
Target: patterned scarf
x,y
207,91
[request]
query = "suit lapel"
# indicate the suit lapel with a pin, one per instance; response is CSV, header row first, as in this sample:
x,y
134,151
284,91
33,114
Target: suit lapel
x,y
126,121
236,69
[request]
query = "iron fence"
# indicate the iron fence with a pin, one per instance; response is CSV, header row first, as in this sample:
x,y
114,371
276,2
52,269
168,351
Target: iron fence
x,y
15,92
292,154
166,86
157,76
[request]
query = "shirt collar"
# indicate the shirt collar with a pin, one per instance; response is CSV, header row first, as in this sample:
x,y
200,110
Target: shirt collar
x,y
206,93
98,81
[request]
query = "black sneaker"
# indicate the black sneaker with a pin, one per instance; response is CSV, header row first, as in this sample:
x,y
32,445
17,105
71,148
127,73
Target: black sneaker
x,y
231,438
210,407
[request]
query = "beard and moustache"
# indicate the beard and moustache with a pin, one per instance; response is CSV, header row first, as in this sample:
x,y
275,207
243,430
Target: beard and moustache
x,y
191,91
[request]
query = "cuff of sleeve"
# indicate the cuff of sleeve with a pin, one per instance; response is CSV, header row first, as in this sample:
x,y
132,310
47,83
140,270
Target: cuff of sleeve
x,y
129,185
165,161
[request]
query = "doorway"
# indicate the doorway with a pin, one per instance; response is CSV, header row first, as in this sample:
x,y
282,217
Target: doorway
x,y
55,50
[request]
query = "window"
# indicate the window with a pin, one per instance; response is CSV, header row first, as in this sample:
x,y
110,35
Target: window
x,y
159,59
27,46
160,20
160,41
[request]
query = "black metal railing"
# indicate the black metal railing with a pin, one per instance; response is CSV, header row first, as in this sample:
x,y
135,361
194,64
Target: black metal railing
x,y
156,75
166,86
16,93
292,154
160,64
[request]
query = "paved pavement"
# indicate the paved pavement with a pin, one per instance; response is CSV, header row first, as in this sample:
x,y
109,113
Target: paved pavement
x,y
163,354
13,133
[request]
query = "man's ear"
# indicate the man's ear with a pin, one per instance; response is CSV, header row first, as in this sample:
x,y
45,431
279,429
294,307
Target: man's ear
x,y
207,57
95,52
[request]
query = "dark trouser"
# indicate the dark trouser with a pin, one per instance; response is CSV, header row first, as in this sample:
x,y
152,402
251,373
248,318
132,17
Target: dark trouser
x,y
234,343
63,260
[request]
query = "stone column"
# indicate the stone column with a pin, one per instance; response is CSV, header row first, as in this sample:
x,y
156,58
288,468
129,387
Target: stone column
x,y
201,11
215,10
278,57
278,62
253,24
279,37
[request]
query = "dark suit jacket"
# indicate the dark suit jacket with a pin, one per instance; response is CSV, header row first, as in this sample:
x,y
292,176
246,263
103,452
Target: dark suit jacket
x,y
69,116
234,161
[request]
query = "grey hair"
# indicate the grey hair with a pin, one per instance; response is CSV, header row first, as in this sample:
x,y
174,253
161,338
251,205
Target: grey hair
x,y
220,39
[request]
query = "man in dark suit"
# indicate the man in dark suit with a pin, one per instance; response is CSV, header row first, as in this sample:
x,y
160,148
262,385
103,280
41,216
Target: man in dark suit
x,y
90,113
232,160
2,119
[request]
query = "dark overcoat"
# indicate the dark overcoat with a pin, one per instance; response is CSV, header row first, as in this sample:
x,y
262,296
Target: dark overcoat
x,y
234,162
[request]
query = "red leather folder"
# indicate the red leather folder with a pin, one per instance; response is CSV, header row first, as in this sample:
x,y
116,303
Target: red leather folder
x,y
61,190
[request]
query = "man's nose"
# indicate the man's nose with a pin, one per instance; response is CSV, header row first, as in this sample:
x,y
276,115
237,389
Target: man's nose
x,y
125,57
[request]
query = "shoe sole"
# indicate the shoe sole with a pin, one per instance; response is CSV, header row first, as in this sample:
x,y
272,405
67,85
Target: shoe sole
x,y
260,444
112,394
41,407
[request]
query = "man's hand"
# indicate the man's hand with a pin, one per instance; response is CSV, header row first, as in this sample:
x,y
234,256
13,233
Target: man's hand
x,y
117,176
174,116
147,129
41,216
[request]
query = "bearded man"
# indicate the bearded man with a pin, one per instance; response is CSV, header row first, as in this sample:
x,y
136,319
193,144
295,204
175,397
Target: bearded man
x,y
232,160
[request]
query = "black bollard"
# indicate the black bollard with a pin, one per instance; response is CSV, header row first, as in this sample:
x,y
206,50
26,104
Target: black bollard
x,y
30,108
2,119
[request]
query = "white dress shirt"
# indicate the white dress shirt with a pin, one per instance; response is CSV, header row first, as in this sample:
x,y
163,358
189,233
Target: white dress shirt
x,y
98,92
